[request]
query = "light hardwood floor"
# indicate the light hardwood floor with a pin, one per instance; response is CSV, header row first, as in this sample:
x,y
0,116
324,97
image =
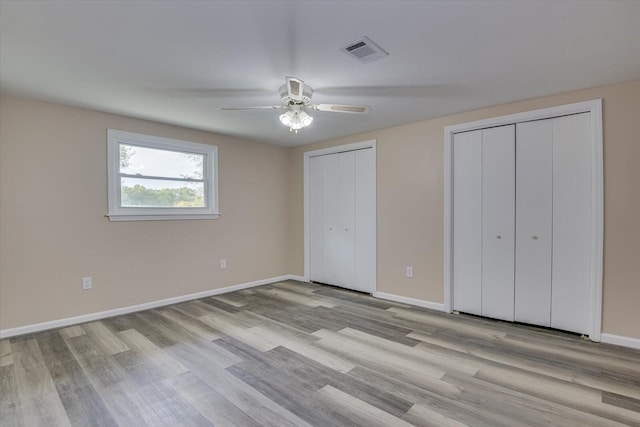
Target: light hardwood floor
x,y
293,354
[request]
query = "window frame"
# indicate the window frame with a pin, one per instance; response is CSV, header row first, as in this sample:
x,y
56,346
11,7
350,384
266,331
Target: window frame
x,y
116,212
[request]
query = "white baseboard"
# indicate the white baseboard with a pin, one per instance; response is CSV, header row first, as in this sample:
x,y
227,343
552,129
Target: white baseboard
x,y
297,278
411,301
620,340
38,327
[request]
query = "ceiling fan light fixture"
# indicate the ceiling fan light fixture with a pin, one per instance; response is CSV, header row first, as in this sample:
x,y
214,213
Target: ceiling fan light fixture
x,y
305,119
286,118
296,119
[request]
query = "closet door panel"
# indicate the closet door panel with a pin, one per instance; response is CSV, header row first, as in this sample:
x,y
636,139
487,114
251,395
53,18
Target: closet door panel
x,y
571,273
332,220
467,222
316,219
347,211
534,213
498,221
365,224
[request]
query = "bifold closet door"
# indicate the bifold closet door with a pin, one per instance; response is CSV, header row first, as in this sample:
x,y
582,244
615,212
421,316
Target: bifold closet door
x,y
335,242
534,213
498,221
316,218
343,251
342,219
365,220
572,223
467,222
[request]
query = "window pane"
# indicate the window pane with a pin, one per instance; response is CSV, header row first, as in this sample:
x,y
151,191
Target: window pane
x,y
157,193
162,163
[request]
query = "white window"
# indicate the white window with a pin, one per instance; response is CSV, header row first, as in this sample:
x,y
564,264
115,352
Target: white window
x,y
153,178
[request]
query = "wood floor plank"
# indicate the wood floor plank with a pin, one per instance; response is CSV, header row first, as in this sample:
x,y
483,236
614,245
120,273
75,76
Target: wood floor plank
x,y
85,407
621,401
10,399
291,354
308,370
102,368
146,361
361,412
245,397
359,298
381,329
209,403
440,396
421,416
446,363
6,357
219,305
299,369
103,336
168,405
169,335
512,408
83,404
297,298
502,353
445,323
235,300
274,326
40,402
376,357
208,363
306,288
289,392
248,336
306,349
191,324
72,331
569,394
194,309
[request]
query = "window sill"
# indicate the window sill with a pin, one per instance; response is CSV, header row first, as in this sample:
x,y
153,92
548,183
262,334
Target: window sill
x,y
160,217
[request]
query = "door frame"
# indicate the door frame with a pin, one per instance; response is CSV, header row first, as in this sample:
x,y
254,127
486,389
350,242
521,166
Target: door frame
x,y
597,192
307,155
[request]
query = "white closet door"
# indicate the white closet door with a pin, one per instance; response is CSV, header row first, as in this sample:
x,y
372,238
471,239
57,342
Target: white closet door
x,y
332,220
316,218
467,222
365,224
346,225
534,195
498,221
571,273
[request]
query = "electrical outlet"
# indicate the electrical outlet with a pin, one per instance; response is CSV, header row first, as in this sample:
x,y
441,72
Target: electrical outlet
x,y
87,283
409,271
223,264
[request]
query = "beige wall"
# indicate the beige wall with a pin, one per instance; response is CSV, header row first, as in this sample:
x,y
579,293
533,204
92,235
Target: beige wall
x,y
53,201
53,231
411,201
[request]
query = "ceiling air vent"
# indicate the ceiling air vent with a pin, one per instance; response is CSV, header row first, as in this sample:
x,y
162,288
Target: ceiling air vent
x,y
365,50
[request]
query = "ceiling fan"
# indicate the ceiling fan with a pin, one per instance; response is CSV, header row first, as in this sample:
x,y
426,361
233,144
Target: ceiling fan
x,y
296,98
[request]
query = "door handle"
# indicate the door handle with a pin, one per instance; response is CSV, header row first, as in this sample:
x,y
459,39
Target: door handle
x,y
534,237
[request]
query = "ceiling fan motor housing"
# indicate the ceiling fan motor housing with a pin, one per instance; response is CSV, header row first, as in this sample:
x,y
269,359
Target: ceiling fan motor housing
x,y
295,92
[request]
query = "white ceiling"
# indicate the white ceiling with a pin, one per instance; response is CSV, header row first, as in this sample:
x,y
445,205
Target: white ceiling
x,y
180,61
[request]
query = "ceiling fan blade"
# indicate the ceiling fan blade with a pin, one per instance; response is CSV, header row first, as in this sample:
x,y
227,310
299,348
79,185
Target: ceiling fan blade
x,y
340,108
267,107
212,93
418,91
